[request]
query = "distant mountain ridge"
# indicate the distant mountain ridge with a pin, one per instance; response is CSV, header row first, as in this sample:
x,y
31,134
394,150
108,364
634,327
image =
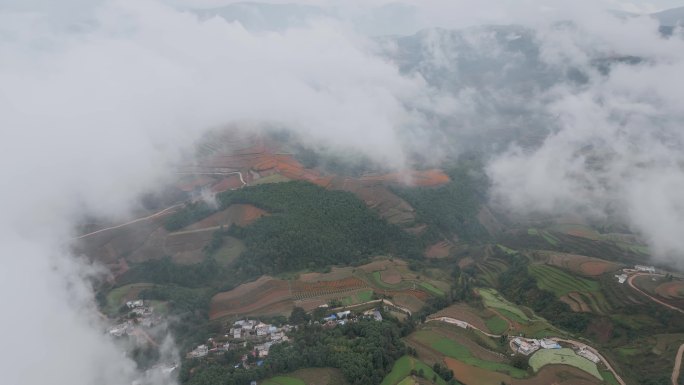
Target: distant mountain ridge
x,y
670,17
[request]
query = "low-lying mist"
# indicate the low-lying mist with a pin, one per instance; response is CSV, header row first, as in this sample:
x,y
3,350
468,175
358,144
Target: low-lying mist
x,y
100,99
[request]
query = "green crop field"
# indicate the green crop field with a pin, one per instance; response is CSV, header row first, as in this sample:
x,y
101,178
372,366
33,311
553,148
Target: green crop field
x,y
402,369
506,250
361,296
229,251
496,325
563,356
282,380
559,282
430,288
462,353
494,300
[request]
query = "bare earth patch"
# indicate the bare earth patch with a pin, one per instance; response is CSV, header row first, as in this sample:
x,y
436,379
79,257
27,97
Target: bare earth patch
x,y
438,250
390,276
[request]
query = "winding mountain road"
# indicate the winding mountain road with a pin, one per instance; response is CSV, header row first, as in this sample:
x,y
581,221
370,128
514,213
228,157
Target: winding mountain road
x,y
677,365
164,211
633,286
591,349
157,214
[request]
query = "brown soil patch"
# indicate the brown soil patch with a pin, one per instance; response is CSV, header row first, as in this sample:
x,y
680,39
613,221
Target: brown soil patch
x,y
594,268
302,290
671,290
438,250
251,298
573,305
424,178
579,264
230,183
583,306
336,273
183,242
408,300
391,276
463,312
468,374
464,262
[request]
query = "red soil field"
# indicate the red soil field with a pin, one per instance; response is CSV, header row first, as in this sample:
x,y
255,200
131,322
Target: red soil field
x,y
425,178
438,250
671,290
594,268
230,183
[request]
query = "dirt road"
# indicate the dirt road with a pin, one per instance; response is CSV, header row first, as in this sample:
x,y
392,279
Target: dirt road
x,y
458,322
631,284
678,364
166,211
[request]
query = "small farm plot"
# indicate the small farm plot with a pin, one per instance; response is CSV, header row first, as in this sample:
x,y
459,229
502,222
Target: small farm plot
x,y
402,369
563,356
494,300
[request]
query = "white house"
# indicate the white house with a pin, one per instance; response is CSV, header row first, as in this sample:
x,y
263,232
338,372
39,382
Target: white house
x,y
549,344
343,314
621,278
645,269
134,304
199,351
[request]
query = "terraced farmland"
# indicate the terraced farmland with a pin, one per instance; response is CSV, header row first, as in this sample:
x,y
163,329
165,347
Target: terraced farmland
x,y
453,349
490,270
494,300
303,290
583,295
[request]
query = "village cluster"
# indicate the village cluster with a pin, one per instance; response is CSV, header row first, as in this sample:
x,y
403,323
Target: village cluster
x,y
138,315
262,335
639,268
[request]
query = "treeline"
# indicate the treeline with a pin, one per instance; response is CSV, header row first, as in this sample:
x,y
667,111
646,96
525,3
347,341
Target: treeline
x,y
311,227
451,208
519,286
364,352
164,271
